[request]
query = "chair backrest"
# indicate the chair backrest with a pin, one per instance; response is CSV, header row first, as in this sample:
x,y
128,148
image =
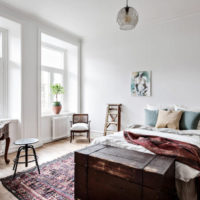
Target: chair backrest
x,y
80,118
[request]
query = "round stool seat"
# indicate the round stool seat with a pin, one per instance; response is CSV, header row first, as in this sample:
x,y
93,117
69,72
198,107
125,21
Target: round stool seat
x,y
25,144
26,141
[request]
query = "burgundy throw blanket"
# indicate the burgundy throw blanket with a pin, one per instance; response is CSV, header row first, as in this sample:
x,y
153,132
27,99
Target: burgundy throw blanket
x,y
183,152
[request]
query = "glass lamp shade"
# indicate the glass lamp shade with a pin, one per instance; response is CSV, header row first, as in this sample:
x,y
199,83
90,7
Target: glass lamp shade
x,y
127,18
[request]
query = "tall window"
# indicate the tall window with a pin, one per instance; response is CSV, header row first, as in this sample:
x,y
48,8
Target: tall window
x,y
3,73
53,70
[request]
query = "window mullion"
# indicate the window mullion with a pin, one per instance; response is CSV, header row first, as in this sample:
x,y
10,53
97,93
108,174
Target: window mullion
x,y
51,69
51,83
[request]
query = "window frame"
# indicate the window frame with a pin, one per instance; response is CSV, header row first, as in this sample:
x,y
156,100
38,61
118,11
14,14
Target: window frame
x,y
53,70
4,75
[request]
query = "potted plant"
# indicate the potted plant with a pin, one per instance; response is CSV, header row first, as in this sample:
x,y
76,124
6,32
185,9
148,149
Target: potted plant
x,y
57,89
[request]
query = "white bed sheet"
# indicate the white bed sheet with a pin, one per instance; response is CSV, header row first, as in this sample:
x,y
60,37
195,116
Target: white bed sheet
x,y
183,172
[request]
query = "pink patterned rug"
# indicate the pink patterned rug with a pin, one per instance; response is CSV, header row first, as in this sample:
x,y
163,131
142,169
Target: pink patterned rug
x,y
56,181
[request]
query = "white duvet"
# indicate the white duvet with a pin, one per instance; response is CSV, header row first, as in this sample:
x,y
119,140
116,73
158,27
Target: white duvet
x,y
183,172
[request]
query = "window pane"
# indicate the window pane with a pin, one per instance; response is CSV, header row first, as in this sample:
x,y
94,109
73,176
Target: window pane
x,y
58,79
52,58
1,79
1,46
45,92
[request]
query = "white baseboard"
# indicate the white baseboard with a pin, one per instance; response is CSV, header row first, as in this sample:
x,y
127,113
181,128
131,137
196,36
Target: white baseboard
x,y
13,148
46,140
95,133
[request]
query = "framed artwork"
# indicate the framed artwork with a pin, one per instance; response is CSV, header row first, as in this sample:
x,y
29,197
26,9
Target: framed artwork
x,y
141,83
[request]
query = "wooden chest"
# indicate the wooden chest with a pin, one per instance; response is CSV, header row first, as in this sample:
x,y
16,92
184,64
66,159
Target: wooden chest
x,y
109,173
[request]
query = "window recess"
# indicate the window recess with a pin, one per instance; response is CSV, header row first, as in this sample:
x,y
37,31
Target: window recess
x,y
53,68
3,73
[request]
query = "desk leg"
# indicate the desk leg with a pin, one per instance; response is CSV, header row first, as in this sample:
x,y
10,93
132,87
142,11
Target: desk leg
x,y
6,150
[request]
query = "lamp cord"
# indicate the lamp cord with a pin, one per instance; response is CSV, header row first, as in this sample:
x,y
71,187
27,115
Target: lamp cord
x,y
126,3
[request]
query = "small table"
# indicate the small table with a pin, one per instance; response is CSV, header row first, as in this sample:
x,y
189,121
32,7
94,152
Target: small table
x,y
25,144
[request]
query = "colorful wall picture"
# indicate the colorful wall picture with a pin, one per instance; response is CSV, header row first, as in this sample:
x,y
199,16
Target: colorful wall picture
x,y
141,83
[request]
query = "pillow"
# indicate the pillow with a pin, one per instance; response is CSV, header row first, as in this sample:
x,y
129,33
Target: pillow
x,y
177,107
79,127
194,109
190,119
151,117
168,119
159,107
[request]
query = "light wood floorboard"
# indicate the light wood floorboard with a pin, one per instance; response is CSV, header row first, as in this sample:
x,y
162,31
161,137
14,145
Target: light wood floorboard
x,y
45,153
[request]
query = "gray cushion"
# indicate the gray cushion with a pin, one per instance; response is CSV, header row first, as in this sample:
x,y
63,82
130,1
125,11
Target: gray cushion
x,y
151,117
189,120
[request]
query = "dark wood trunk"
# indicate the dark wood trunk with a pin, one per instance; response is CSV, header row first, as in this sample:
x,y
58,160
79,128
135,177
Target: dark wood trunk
x,y
105,173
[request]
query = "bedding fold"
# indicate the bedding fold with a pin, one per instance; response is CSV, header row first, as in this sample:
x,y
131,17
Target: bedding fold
x,y
184,152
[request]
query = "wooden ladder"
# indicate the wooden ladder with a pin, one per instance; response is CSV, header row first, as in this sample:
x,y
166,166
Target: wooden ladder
x,y
113,117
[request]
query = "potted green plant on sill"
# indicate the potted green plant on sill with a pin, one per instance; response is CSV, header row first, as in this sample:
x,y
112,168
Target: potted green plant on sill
x,y
56,90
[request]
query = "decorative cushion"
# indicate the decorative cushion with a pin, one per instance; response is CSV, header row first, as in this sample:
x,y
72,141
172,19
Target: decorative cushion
x,y
169,119
151,117
79,127
190,119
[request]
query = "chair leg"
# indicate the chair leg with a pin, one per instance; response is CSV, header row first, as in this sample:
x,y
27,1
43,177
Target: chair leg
x,y
70,136
89,136
18,152
26,155
16,161
35,156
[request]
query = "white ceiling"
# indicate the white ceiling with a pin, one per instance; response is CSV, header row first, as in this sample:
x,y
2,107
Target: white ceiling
x,y
94,17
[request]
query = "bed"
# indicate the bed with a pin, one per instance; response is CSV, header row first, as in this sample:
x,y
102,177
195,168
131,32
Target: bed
x,y
185,175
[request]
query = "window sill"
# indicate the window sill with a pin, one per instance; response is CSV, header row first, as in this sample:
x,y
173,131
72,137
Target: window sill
x,y
9,119
54,115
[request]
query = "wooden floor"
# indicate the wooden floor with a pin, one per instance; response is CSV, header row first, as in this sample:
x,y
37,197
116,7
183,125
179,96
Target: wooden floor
x,y
45,153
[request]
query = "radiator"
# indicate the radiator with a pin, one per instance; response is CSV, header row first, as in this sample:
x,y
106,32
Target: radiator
x,y
60,127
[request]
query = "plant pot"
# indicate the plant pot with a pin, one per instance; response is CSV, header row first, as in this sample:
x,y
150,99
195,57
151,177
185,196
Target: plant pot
x,y
57,107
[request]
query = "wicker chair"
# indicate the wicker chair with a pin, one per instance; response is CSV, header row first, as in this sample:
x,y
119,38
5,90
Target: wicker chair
x,y
80,124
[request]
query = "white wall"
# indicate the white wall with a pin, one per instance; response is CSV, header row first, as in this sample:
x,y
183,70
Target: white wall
x,y
30,79
170,50
72,77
